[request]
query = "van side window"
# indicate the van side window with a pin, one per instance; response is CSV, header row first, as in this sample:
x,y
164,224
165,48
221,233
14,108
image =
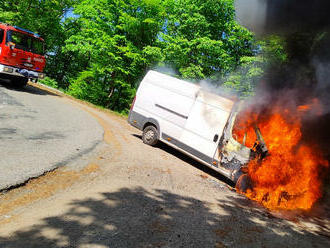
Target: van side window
x,y
2,32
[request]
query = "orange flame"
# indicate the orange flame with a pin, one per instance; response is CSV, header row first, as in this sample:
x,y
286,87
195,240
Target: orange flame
x,y
288,178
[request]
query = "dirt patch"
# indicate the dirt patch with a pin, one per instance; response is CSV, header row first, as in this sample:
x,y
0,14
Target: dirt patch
x,y
41,188
220,245
222,233
108,134
157,226
204,176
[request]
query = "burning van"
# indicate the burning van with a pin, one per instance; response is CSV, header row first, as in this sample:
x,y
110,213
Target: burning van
x,y
195,122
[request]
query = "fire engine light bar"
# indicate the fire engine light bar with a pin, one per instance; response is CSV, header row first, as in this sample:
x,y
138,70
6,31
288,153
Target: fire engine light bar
x,y
8,69
27,31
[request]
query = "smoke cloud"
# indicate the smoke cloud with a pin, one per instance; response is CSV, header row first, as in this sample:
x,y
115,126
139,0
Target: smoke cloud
x,y
305,27
283,16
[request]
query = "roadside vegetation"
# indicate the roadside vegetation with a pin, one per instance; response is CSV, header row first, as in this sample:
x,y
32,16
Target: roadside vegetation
x,y
99,50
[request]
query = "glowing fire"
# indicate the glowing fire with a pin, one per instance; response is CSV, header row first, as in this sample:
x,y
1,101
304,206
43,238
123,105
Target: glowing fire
x,y
288,178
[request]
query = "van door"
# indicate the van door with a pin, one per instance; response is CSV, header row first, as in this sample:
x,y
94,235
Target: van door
x,y
205,125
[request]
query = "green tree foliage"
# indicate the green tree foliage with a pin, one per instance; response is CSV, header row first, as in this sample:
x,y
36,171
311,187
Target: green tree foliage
x,y
102,52
202,38
115,43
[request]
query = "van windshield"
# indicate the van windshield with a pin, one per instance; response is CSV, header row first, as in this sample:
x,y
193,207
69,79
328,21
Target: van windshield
x,y
26,42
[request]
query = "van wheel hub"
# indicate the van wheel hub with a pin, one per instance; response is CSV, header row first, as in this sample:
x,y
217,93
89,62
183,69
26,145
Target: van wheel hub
x,y
150,135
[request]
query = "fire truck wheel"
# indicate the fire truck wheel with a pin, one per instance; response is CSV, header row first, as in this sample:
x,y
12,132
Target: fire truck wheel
x,y
20,82
150,135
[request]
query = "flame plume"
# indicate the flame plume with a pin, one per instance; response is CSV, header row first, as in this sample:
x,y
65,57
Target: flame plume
x,y
289,176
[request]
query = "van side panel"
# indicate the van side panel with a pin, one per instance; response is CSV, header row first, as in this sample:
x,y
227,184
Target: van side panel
x,y
187,117
164,103
205,124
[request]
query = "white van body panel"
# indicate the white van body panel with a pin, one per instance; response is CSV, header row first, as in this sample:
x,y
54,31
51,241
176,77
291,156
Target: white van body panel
x,y
187,117
207,118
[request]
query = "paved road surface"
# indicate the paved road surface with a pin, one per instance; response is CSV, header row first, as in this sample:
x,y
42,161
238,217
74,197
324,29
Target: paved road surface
x,y
38,132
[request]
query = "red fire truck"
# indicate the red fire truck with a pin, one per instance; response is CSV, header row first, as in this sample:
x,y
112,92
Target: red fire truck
x,y
21,55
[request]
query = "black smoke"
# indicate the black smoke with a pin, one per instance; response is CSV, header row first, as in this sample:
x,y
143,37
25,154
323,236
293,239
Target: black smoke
x,y
283,16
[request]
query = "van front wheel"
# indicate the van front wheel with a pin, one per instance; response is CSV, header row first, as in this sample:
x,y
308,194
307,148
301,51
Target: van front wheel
x,y
150,135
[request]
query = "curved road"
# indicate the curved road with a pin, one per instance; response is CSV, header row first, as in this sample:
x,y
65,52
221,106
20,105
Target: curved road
x,y
39,132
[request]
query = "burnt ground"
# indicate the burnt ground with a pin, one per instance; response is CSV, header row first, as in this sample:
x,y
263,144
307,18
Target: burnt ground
x,y
127,194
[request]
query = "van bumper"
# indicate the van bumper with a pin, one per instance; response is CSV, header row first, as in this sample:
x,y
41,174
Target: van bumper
x,y
136,120
13,71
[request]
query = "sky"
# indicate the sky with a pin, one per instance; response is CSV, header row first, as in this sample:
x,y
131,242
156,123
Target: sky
x,y
68,14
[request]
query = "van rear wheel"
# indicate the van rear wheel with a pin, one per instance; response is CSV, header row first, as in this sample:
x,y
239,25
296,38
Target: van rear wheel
x,y
150,135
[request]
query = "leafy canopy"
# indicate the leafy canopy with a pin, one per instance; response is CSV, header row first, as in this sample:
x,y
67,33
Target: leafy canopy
x,y
102,51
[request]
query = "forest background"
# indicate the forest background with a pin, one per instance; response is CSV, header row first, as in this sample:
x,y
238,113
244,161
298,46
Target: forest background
x,y
99,50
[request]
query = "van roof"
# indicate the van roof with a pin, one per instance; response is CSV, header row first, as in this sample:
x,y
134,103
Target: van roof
x,y
173,83
186,88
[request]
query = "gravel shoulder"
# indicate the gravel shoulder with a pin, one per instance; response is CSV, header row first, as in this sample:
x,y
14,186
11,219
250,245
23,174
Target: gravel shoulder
x,y
127,194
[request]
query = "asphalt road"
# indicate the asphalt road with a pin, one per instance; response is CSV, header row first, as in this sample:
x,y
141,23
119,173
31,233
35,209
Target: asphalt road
x,y
39,132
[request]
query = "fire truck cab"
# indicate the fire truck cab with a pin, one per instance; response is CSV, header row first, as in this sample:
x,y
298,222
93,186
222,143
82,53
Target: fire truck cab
x,y
21,55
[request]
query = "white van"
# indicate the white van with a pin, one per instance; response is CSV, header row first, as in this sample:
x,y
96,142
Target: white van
x,y
192,120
